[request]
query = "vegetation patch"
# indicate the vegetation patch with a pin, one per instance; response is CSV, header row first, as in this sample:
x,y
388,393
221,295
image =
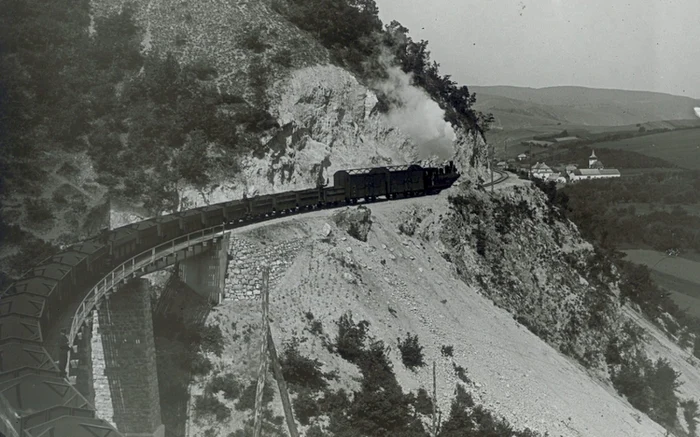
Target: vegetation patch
x,y
301,371
411,351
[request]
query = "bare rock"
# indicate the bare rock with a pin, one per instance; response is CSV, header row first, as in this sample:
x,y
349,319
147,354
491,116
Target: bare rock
x,y
357,222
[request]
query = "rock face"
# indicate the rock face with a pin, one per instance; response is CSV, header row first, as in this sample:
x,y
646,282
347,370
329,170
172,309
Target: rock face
x,y
357,222
530,262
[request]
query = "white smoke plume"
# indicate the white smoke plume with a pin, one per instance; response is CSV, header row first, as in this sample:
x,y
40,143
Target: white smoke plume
x,y
417,115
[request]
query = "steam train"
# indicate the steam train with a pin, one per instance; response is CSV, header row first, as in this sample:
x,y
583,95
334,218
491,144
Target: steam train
x,y
30,308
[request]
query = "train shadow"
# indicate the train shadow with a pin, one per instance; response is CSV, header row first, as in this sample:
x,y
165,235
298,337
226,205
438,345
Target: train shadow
x,y
178,317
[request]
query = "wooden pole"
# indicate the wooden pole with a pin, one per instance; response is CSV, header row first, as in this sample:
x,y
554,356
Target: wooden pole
x,y
262,370
284,394
434,403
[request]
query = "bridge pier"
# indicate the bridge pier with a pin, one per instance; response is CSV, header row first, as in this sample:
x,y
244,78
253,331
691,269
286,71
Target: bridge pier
x,y
126,328
206,273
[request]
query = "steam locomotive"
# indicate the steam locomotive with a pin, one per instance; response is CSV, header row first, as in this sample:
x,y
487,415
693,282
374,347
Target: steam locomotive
x,y
31,307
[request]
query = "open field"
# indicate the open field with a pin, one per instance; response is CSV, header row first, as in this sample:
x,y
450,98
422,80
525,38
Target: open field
x,y
686,294
681,276
680,147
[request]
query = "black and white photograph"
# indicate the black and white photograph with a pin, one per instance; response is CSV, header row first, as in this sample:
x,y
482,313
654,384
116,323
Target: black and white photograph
x,y
349,218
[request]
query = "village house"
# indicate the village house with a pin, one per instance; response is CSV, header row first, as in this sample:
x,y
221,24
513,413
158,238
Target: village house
x,y
541,171
595,170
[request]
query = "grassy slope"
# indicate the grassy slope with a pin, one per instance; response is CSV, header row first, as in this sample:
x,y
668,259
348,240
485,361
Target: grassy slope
x,y
678,147
679,275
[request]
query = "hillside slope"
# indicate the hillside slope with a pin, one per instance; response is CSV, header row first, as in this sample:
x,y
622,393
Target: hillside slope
x,y
403,283
590,106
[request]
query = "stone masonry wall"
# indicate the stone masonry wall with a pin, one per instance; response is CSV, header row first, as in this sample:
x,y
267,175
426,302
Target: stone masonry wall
x,y
103,398
245,269
126,327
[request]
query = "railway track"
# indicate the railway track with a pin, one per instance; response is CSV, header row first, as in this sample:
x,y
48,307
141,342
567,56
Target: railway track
x,y
502,177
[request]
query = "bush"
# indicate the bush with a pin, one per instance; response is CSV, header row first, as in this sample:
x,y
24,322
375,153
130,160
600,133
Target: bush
x,y
300,371
350,341
200,365
691,415
225,383
211,339
446,351
649,387
208,404
466,418
306,407
411,352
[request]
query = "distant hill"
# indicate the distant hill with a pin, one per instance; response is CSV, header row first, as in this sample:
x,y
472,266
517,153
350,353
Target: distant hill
x,y
521,113
516,107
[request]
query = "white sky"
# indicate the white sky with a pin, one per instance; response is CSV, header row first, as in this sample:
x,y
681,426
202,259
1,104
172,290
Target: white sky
x,y
651,45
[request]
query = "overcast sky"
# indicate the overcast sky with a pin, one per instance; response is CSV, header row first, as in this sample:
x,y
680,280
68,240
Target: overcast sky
x,y
651,45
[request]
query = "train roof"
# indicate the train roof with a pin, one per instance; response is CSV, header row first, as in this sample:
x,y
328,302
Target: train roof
x,y
34,285
122,233
74,427
144,224
13,326
34,392
384,169
189,212
71,258
23,304
88,247
15,356
166,218
52,270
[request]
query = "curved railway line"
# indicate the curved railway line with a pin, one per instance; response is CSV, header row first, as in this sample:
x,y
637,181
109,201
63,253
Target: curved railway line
x,y
36,399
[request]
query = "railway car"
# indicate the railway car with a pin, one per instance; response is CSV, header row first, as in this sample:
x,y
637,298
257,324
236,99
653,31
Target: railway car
x,y
168,227
34,291
363,183
19,358
311,197
236,210
17,327
121,242
190,220
62,275
147,234
286,202
406,180
213,215
260,206
96,254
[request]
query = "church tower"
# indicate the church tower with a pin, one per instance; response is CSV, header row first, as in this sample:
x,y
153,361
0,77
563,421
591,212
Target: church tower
x,y
593,161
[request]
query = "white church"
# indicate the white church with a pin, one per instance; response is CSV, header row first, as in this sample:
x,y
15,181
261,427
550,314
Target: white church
x,y
595,170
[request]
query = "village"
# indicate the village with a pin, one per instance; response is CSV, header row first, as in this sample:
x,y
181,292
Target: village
x,y
560,173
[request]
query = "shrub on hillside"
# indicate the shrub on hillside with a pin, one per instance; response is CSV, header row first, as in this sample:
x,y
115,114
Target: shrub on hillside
x,y
225,383
649,387
211,339
466,418
350,341
691,415
301,371
208,404
306,407
200,365
411,351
